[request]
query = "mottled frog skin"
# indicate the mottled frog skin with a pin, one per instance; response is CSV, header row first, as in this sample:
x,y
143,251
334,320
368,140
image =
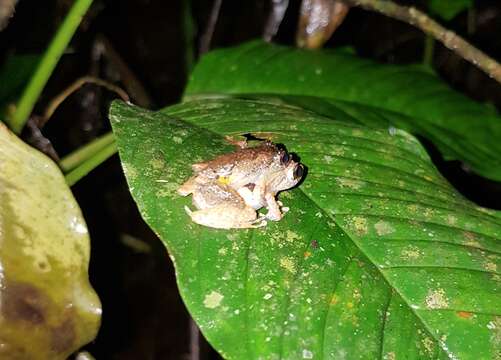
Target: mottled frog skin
x,y
229,189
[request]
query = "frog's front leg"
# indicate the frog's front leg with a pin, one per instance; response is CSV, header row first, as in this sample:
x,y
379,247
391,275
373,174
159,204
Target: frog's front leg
x,y
273,207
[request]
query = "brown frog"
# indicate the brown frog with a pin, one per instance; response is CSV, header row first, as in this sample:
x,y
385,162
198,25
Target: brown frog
x,y
229,189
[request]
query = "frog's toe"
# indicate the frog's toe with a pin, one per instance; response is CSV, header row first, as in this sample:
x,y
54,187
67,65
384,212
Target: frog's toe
x,y
260,218
261,223
188,210
274,216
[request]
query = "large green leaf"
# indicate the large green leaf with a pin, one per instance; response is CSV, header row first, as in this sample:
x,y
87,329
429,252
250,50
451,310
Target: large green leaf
x,y
378,257
461,128
448,9
48,309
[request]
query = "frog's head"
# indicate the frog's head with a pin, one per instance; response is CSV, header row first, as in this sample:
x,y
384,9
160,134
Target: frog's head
x,y
284,173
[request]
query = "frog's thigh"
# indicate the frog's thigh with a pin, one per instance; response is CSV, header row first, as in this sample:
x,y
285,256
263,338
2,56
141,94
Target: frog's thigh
x,y
226,217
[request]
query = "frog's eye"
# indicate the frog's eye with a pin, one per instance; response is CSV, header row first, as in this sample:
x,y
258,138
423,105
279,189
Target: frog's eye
x,y
298,172
285,158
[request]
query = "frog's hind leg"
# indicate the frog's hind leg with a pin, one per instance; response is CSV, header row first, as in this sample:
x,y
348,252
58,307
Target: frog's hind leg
x,y
226,217
188,187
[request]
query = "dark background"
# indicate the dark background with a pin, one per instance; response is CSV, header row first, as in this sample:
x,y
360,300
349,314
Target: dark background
x,y
144,317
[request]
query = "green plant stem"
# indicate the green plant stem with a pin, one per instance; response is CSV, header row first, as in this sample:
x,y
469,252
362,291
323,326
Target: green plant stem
x,y
429,48
77,157
47,64
90,164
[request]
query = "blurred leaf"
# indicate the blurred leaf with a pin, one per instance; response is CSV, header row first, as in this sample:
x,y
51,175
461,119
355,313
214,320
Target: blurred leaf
x,y
7,8
48,308
467,131
378,256
448,9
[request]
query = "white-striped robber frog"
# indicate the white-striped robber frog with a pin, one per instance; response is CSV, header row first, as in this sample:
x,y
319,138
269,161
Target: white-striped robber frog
x,y
229,189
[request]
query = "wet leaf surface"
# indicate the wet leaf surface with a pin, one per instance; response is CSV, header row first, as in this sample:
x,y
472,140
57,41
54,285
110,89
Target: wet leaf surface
x,y
461,128
378,256
47,307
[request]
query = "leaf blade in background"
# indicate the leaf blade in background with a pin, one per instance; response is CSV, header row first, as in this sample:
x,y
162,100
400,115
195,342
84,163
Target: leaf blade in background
x,y
448,9
49,309
14,75
471,129
378,254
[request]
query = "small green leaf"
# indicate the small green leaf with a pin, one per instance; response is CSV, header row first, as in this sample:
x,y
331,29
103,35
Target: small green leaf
x,y
48,309
448,9
378,256
461,128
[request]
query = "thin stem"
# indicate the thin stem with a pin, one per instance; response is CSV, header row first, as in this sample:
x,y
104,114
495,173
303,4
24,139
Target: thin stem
x,y
77,84
422,21
206,37
429,47
47,64
77,157
103,48
90,164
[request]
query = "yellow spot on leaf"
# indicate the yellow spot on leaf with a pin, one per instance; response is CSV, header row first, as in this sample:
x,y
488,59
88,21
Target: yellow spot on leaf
x,y
350,183
428,345
288,264
464,314
359,225
213,300
490,266
290,236
451,220
383,228
470,239
390,356
412,208
157,164
436,299
410,253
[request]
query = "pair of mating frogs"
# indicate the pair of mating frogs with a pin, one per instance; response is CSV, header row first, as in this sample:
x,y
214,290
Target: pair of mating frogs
x,y
229,189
